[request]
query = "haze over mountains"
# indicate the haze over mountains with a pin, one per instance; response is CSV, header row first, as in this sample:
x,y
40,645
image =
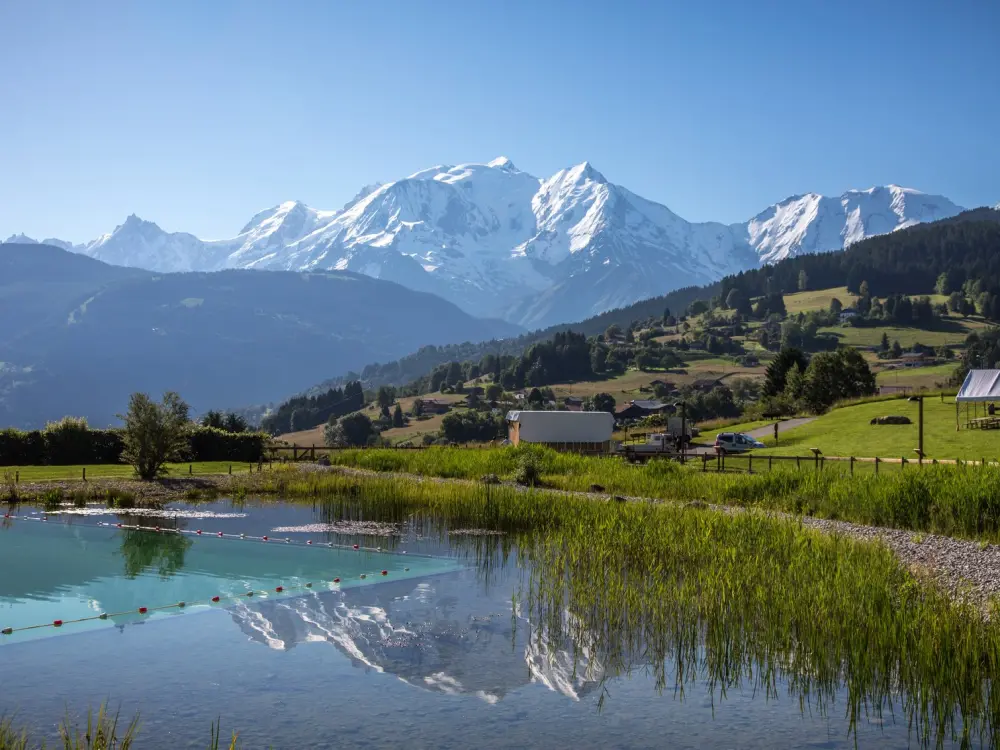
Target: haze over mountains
x,y
79,336
497,241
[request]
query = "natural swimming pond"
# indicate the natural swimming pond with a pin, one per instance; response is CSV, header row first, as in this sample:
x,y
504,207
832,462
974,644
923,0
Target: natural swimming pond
x,y
466,641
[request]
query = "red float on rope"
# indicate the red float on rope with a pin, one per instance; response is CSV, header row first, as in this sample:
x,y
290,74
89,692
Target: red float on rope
x,y
215,598
336,580
355,546
56,623
198,531
156,528
142,610
220,533
385,572
363,575
263,538
309,541
118,525
249,593
7,631
279,589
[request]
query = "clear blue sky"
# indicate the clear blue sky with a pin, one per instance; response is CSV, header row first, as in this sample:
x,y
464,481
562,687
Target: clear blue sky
x,y
197,114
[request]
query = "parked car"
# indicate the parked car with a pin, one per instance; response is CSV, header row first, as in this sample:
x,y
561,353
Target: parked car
x,y
735,442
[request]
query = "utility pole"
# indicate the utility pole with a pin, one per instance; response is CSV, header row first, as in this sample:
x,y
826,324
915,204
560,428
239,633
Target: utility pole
x,y
683,429
920,424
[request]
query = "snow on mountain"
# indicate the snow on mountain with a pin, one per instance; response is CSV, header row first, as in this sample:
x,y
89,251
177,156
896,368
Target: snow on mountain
x,y
496,240
814,223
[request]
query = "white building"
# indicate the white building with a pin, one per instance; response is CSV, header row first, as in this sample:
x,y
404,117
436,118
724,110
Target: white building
x,y
584,431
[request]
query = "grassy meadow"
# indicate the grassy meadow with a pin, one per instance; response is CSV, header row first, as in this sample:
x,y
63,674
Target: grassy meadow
x,y
818,299
115,471
847,432
943,499
917,378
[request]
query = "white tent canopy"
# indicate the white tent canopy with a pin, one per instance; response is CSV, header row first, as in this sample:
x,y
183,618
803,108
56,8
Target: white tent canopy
x,y
980,385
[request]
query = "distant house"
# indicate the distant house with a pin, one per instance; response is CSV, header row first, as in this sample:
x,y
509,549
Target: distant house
x,y
847,313
573,403
914,359
640,408
436,406
704,385
582,431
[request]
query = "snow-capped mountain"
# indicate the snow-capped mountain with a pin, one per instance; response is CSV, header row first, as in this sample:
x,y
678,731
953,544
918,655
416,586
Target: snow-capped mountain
x,y
496,240
814,223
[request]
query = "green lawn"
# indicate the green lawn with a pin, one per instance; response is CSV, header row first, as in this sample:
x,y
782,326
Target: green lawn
x,y
951,331
847,432
917,377
104,471
818,299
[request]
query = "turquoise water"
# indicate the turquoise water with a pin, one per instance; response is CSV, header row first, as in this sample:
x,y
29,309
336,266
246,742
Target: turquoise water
x,y
68,571
439,656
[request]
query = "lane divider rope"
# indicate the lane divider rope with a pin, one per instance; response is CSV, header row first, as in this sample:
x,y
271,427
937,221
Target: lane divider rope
x,y
182,604
219,535
176,605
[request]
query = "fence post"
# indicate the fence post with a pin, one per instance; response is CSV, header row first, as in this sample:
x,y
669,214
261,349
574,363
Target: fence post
x,y
84,473
749,463
230,468
295,453
769,459
17,477
902,462
798,462
852,466
704,462
190,469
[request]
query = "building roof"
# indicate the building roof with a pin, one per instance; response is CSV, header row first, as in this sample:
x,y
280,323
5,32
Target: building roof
x,y
563,426
649,404
980,385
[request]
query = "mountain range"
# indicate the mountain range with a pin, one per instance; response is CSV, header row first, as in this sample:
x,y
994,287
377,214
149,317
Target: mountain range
x,y
79,335
497,241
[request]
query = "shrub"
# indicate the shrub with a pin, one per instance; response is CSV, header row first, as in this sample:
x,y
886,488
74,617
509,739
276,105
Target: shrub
x,y
529,471
154,433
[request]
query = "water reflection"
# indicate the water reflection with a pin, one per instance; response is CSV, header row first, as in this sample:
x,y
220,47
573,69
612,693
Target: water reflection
x,y
143,550
550,609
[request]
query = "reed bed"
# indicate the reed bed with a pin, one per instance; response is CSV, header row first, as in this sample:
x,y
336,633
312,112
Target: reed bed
x,y
102,731
950,500
737,600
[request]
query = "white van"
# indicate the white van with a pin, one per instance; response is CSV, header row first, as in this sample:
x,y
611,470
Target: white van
x,y
736,442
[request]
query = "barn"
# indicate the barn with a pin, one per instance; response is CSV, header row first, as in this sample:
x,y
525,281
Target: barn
x,y
580,431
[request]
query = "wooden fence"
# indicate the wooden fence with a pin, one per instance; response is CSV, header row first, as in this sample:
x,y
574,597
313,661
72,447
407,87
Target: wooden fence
x,y
748,462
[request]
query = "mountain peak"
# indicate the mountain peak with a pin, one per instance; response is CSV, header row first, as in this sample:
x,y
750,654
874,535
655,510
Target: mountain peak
x,y
585,171
20,239
502,162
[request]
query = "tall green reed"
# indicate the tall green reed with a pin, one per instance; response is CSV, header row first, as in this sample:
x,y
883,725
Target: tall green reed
x,y
735,600
953,500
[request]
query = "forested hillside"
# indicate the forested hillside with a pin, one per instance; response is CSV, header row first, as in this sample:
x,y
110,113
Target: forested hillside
x,y
954,255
